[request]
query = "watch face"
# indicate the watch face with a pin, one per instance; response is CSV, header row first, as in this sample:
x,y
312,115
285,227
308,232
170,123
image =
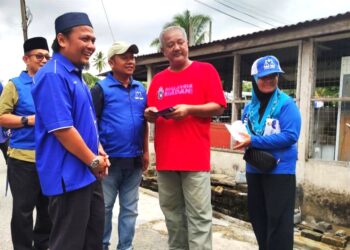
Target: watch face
x,y
94,163
24,120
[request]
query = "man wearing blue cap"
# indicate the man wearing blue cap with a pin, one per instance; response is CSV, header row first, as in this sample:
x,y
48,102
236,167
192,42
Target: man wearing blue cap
x,y
68,159
18,113
273,122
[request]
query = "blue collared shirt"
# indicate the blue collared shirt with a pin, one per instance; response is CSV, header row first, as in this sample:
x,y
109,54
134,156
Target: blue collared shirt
x,y
62,100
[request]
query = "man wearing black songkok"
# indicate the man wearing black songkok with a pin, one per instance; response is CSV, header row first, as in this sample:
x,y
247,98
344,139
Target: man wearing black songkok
x,y
17,112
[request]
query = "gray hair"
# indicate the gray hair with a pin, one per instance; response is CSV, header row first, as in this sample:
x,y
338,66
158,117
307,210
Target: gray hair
x,y
171,28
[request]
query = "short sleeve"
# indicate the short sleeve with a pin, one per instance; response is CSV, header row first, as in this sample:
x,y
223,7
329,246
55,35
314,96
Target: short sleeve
x,y
52,102
215,92
8,99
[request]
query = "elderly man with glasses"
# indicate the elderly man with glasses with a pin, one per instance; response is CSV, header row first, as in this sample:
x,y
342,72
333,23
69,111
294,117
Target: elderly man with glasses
x,y
18,113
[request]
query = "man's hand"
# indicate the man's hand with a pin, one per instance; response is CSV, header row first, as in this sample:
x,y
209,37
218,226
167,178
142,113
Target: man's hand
x,y
150,114
145,161
180,112
102,169
102,152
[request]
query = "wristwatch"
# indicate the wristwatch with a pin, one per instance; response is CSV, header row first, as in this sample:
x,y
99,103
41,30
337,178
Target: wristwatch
x,y
24,121
94,164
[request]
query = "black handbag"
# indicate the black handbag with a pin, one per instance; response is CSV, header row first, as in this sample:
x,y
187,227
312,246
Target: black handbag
x,y
261,160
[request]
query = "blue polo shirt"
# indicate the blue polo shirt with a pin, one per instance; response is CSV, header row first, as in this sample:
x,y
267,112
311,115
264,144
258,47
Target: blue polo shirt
x,y
62,100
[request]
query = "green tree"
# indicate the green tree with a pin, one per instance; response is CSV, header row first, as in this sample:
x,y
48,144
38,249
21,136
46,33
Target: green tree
x,y
99,61
196,27
90,79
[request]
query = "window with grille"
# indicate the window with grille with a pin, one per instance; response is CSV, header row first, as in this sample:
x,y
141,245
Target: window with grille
x,y
330,102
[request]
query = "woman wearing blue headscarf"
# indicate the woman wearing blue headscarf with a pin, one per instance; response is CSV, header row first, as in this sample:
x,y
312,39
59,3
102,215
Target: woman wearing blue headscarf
x,y
273,123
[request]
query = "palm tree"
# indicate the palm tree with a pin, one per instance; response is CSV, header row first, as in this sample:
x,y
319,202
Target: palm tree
x,y
99,61
90,79
196,27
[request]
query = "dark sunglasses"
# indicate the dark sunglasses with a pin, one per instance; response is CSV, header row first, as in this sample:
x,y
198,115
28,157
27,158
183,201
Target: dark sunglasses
x,y
40,57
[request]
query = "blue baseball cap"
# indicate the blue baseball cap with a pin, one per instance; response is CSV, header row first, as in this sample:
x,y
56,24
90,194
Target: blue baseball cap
x,y
70,20
266,65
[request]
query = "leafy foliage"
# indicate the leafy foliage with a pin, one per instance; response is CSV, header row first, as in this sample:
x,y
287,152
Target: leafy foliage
x,y
99,61
196,27
90,79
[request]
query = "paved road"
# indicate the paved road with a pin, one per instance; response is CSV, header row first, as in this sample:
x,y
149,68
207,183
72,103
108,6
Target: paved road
x,y
151,233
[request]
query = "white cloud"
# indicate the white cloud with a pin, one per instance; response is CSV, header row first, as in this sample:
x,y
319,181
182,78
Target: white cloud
x,y
141,21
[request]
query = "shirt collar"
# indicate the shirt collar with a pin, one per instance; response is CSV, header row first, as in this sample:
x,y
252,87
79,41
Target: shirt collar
x,y
70,67
115,81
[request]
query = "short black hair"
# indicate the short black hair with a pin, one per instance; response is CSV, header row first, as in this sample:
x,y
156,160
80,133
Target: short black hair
x,y
55,45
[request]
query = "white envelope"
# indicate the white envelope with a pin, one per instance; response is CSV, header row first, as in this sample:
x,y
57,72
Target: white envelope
x,y
235,129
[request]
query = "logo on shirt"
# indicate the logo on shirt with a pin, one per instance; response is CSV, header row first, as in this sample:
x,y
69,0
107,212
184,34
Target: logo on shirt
x,y
138,95
160,93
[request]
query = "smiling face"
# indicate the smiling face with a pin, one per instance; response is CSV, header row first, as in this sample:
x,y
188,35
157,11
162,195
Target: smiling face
x,y
268,84
78,46
123,65
175,49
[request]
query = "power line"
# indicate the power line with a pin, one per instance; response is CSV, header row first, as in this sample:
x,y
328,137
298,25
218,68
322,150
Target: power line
x,y
259,12
245,13
207,5
109,25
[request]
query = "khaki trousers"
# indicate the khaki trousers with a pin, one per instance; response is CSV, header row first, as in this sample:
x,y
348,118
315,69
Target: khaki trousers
x,y
185,199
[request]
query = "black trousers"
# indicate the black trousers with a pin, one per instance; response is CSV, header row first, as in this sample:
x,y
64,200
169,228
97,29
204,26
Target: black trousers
x,y
271,201
27,195
78,219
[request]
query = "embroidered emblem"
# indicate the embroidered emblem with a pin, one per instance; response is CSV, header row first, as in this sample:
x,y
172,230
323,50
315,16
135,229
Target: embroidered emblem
x,y
138,95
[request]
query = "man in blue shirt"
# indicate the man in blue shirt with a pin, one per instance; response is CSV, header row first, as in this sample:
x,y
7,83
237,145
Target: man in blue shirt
x,y
68,161
120,102
18,113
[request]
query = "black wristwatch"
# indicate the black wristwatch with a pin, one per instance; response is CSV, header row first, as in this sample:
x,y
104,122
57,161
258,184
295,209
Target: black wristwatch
x,y
24,121
94,164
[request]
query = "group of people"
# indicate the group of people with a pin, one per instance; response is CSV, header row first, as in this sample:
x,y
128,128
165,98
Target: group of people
x,y
72,151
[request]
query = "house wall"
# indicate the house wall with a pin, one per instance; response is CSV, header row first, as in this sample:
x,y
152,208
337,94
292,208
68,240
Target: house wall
x,y
323,186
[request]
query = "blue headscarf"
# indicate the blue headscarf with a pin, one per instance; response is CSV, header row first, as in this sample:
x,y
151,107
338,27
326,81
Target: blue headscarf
x,y
272,110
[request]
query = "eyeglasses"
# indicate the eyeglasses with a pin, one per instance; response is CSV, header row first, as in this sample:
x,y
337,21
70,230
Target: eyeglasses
x,y
40,57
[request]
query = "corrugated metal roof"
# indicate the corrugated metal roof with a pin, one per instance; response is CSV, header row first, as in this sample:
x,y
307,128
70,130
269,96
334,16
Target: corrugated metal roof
x,y
337,17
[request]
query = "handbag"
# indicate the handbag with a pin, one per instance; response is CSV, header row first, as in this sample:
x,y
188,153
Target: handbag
x,y
261,160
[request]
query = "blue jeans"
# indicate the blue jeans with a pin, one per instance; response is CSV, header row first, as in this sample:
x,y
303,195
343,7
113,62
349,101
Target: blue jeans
x,y
124,177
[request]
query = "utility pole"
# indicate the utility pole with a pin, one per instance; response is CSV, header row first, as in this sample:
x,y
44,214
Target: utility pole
x,y
24,19
210,27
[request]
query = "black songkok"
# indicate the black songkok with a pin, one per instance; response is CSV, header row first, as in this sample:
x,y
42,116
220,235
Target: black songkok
x,y
35,43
